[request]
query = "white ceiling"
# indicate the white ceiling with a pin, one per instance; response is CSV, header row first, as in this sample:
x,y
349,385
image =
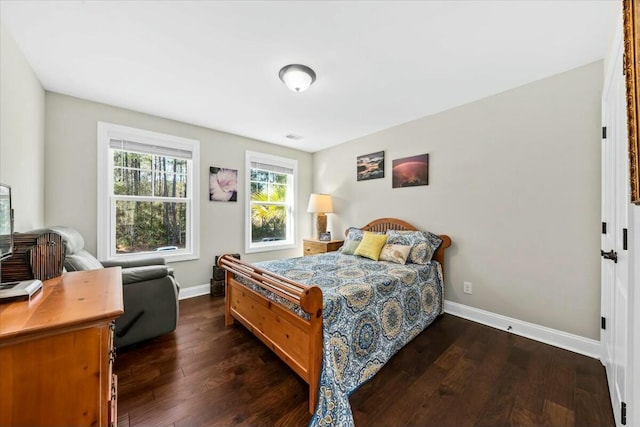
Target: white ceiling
x,y
379,63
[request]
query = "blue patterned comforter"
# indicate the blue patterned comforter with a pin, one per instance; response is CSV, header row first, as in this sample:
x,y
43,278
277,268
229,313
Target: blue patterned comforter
x,y
371,310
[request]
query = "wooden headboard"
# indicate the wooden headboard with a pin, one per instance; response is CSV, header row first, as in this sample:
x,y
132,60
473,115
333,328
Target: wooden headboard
x,y
381,225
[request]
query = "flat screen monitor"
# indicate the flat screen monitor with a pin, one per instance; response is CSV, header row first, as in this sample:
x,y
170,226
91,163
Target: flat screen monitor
x,y
6,222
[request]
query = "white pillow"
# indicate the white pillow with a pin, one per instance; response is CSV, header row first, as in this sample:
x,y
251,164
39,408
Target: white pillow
x,y
395,253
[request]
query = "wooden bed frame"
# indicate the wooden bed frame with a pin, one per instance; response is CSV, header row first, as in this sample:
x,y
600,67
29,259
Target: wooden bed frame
x,y
296,340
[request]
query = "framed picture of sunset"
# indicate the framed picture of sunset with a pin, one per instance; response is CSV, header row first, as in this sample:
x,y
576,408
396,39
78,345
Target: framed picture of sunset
x,y
411,171
370,166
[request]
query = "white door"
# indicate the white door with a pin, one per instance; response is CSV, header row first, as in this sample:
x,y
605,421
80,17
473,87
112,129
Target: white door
x,y
615,259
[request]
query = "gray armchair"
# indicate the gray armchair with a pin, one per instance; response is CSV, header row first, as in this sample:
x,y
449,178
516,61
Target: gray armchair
x,y
150,291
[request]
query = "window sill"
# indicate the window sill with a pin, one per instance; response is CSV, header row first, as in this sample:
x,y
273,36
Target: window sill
x,y
169,258
270,248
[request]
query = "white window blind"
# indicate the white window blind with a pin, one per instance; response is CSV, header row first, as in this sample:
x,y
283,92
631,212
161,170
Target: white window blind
x,y
272,168
144,148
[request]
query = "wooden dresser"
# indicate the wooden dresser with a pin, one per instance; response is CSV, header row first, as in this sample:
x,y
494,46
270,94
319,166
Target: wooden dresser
x,y
313,246
56,352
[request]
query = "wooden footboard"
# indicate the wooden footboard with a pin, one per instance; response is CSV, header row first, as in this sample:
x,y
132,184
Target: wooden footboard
x,y
296,340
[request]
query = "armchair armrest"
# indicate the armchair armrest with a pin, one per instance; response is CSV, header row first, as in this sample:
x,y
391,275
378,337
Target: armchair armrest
x,y
144,273
129,263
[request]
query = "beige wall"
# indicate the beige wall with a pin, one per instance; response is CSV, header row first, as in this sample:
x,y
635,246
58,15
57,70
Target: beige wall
x,y
615,34
21,134
71,180
514,180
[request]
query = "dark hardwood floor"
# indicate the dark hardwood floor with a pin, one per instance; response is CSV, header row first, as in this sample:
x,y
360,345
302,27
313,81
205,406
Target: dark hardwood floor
x,y
456,373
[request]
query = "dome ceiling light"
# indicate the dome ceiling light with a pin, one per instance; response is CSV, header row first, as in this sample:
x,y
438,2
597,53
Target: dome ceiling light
x,y
297,77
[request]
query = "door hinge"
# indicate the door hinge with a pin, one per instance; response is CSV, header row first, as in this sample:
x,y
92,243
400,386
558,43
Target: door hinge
x,y
604,228
604,132
603,323
624,239
623,413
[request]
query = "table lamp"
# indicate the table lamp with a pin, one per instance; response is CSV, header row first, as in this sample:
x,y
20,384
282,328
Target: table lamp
x,y
320,204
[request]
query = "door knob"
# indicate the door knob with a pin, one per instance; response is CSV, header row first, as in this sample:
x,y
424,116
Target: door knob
x,y
612,255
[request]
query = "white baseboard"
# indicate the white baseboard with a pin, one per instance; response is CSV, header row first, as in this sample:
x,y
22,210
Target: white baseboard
x,y
194,291
567,341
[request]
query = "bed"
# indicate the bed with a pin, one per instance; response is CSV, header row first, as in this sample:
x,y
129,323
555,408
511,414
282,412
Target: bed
x,y
335,319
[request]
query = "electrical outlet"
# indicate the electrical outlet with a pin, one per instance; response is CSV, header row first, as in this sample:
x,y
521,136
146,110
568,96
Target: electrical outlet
x,y
468,288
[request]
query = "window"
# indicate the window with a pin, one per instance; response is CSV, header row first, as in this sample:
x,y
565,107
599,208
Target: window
x,y
270,193
147,194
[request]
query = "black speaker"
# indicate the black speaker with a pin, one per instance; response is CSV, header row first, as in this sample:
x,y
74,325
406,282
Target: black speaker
x,y
217,288
217,280
218,273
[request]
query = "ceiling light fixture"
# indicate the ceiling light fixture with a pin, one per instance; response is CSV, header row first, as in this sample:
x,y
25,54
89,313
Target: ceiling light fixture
x,y
297,77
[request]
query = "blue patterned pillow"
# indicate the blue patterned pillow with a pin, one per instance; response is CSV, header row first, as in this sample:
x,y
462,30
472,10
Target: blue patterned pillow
x,y
357,234
423,244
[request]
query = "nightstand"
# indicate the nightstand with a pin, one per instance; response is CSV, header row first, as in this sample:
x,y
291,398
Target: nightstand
x,y
314,246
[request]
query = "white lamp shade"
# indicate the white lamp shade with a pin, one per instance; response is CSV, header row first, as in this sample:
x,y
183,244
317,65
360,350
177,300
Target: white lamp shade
x,y
320,203
297,77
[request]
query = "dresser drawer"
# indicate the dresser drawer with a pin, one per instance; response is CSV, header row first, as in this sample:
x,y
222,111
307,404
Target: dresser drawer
x,y
313,247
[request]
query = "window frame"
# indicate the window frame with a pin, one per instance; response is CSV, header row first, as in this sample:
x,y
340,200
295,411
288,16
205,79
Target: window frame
x,y
107,200
290,242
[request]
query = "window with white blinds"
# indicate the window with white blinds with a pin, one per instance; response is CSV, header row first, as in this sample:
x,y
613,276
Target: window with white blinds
x,y
271,183
147,194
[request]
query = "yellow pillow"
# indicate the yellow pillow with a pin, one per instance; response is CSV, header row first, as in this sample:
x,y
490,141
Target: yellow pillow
x,y
371,245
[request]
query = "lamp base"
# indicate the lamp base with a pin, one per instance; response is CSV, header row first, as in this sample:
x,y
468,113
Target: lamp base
x,y
321,224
